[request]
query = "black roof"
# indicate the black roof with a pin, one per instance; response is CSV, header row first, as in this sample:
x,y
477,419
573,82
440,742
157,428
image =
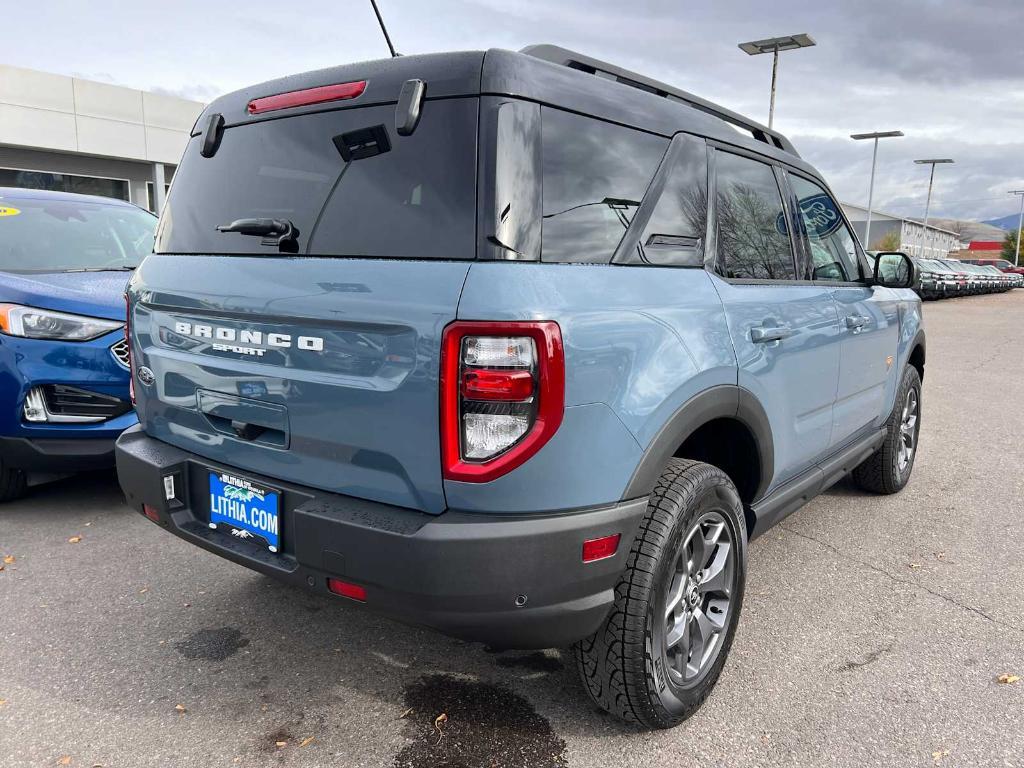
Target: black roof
x,y
545,74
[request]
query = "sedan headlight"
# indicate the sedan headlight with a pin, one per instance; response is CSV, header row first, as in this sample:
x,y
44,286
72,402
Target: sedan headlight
x,y
33,323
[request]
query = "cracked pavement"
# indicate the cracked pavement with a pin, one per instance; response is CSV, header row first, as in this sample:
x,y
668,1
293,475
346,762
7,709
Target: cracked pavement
x,y
873,630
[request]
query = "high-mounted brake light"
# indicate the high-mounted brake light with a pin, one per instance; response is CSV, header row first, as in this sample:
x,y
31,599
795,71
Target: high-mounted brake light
x,y
502,395
307,96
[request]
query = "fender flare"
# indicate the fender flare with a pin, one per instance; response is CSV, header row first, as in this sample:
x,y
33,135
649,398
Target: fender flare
x,y
920,340
724,401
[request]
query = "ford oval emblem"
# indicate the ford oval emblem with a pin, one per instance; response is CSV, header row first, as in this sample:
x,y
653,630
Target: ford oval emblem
x,y
146,375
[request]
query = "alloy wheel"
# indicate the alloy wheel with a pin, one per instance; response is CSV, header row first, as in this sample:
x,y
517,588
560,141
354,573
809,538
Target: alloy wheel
x,y
908,431
699,599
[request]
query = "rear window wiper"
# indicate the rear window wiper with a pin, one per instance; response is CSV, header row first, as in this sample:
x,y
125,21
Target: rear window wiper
x,y
279,232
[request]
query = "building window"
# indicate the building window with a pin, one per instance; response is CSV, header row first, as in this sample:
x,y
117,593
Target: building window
x,y
65,182
150,202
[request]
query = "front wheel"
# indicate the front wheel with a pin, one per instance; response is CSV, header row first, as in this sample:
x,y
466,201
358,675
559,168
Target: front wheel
x,y
12,483
888,469
659,653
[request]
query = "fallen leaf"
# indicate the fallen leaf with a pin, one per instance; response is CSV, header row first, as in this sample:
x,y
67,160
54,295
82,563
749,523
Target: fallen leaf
x,y
180,708
306,741
2,702
74,539
281,744
939,754
1,567
439,721
8,559
1008,679
65,760
940,555
144,590
405,714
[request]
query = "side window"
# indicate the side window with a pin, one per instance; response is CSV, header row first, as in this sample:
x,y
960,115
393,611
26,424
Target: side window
x,y
595,175
753,238
676,230
832,246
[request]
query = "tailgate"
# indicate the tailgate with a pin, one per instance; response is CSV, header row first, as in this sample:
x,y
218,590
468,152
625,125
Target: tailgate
x,y
317,371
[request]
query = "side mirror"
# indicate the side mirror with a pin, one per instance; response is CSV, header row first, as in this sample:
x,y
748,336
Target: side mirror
x,y
895,270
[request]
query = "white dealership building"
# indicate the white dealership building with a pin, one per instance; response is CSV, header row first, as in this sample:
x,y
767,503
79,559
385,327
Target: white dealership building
x,y
76,135
915,239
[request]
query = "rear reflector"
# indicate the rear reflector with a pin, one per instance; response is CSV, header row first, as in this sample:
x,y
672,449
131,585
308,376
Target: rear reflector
x,y
599,549
307,96
151,513
343,588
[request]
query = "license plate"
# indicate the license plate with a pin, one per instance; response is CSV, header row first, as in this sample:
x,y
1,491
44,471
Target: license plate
x,y
248,509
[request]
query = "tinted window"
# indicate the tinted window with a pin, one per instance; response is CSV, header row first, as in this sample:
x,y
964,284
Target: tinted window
x,y
595,175
411,196
58,235
833,248
676,231
753,238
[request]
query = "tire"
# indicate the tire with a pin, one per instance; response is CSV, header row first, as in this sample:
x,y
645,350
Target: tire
x,y
12,483
888,469
627,667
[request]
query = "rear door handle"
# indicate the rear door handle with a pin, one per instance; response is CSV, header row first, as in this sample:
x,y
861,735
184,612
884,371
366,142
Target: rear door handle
x,y
764,334
856,322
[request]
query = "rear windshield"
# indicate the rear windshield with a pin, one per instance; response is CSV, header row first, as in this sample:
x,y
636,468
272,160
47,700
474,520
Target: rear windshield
x,y
411,197
40,235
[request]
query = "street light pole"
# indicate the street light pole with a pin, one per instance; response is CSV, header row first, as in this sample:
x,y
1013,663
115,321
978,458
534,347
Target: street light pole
x,y
773,45
1020,224
928,203
874,160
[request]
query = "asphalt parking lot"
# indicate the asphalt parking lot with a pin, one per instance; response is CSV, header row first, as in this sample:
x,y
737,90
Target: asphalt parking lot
x,y
873,633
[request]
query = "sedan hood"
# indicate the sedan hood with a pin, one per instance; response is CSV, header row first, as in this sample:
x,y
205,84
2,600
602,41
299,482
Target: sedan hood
x,y
96,294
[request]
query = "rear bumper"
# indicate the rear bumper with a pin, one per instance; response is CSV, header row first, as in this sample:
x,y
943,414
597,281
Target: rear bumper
x,y
460,573
54,455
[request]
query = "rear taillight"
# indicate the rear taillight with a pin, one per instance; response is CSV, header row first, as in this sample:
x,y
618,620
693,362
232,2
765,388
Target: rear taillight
x,y
128,342
307,96
502,395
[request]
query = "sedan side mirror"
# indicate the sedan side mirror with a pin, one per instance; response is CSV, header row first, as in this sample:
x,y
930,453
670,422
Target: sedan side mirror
x,y
895,270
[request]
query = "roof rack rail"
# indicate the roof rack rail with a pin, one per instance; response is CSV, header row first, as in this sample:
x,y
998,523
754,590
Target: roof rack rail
x,y
566,58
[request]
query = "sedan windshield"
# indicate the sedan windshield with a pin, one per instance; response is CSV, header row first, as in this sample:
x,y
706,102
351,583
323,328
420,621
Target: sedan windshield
x,y
41,235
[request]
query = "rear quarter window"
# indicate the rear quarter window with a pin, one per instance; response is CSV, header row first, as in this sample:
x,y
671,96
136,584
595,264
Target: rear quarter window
x,y
595,175
414,199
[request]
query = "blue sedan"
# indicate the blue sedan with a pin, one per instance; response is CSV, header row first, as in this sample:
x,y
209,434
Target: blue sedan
x,y
64,367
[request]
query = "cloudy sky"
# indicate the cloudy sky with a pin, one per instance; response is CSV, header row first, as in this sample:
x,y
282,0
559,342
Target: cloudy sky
x,y
949,73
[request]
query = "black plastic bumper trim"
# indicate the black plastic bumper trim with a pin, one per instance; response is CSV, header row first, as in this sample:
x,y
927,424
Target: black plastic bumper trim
x,y
464,574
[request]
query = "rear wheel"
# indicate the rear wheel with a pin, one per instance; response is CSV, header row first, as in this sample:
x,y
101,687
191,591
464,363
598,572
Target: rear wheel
x,y
888,469
12,483
660,651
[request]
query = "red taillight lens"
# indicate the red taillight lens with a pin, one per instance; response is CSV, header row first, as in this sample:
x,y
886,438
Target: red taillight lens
x,y
502,395
487,384
346,589
151,513
599,549
128,342
307,96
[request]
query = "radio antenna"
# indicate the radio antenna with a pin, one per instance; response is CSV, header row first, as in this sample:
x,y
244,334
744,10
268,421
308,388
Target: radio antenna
x,y
387,37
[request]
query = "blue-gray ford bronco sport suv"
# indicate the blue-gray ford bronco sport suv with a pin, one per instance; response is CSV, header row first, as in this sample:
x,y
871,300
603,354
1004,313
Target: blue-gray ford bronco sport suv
x,y
521,346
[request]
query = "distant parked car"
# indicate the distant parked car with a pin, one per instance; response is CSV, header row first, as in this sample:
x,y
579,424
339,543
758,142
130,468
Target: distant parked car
x,y
1001,264
64,392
